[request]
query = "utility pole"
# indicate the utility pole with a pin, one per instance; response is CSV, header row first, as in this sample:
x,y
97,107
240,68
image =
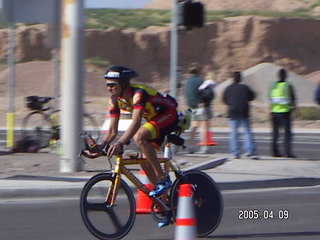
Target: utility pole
x,y
174,49
72,83
11,85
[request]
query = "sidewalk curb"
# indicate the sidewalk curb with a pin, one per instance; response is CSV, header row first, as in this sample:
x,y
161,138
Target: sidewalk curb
x,y
65,191
267,184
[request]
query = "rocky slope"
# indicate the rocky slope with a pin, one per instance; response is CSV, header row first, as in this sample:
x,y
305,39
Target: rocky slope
x,y
232,44
238,43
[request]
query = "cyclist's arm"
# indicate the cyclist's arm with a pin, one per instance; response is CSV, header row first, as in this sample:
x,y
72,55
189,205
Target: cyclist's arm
x,y
112,132
137,116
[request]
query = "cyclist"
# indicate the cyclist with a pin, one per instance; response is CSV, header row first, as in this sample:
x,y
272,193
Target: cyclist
x,y
159,111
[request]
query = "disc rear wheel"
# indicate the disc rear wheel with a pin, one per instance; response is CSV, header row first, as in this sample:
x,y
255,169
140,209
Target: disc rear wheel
x,y
207,200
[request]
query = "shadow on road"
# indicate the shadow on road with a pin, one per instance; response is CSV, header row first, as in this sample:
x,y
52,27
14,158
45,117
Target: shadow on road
x,y
269,235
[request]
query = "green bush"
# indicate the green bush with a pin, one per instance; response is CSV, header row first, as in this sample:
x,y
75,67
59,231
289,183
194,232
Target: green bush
x,y
126,18
142,18
98,62
306,113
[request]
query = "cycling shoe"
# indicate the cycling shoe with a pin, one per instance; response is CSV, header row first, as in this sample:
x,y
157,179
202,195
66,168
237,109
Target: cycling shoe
x,y
164,223
161,187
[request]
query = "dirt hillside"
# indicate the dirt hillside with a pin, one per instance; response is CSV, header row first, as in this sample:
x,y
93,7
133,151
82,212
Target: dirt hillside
x,y
238,43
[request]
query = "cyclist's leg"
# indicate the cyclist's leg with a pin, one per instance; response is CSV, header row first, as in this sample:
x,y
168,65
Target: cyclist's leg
x,y
150,137
147,167
142,139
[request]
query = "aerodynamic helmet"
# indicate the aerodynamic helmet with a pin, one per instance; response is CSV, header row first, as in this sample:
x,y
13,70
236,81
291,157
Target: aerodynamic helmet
x,y
120,73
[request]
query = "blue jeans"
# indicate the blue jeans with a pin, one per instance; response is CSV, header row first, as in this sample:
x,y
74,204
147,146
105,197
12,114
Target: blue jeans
x,y
249,144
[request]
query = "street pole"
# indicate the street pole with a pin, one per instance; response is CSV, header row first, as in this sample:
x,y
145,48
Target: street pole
x,y
174,53
55,28
11,85
72,83
11,74
174,49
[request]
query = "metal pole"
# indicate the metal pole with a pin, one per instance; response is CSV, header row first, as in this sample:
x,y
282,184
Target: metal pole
x,y
174,52
174,49
72,83
55,38
55,54
11,78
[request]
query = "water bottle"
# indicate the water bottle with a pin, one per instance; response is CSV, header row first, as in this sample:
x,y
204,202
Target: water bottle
x,y
92,144
167,151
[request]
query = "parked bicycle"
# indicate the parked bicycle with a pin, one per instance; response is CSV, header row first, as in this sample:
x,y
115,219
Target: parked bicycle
x,y
107,203
42,125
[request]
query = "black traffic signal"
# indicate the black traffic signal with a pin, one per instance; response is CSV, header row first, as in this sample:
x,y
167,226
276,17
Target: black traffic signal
x,y
193,14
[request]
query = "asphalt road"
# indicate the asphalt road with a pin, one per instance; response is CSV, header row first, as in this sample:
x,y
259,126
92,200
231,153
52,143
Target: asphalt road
x,y
295,211
305,145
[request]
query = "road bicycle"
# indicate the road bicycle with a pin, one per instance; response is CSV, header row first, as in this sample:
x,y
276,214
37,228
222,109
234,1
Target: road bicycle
x,y
43,126
108,206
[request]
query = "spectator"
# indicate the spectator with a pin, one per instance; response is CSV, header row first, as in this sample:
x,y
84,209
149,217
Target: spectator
x,y
282,99
317,95
206,93
197,100
237,96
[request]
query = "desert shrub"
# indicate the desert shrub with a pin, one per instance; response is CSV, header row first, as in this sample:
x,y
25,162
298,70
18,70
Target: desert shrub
x,y
98,62
126,18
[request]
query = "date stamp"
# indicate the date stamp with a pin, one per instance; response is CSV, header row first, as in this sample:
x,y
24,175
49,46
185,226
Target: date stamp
x,y
255,214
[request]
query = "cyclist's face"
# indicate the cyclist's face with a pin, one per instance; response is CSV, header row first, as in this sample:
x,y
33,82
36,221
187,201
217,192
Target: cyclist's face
x,y
113,87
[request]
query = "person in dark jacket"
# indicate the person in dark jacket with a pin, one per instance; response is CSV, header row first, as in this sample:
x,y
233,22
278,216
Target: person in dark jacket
x,y
237,96
317,94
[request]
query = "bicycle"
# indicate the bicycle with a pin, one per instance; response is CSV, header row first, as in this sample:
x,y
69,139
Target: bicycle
x,y
107,203
42,125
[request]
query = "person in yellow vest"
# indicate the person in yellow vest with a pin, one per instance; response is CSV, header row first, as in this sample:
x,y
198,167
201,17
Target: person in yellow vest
x,y
283,102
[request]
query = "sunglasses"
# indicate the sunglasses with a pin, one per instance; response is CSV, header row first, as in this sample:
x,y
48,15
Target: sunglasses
x,y
111,84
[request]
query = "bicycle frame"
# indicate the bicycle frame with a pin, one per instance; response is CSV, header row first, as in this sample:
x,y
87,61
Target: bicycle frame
x,y
207,199
120,168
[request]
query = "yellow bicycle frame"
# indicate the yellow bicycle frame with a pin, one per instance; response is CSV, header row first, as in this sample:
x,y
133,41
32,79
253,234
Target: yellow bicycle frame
x,y
120,168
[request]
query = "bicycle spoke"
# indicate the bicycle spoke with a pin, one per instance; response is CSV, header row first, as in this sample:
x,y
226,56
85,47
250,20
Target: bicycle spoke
x,y
102,220
96,206
115,220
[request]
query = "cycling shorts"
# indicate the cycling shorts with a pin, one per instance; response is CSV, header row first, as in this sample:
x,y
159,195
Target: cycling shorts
x,y
162,125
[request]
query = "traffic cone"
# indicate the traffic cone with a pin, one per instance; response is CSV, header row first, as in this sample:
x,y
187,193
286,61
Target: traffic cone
x,y
209,140
186,224
143,201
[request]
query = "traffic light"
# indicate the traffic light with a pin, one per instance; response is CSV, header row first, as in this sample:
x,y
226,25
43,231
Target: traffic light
x,y
192,14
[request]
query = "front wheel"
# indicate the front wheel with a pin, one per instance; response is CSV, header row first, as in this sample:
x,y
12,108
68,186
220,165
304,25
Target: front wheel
x,y
207,199
102,220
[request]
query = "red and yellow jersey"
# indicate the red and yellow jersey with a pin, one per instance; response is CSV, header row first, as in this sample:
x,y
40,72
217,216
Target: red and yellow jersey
x,y
143,97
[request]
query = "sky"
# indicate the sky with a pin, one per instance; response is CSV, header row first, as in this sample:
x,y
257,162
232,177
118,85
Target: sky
x,y
116,3
112,3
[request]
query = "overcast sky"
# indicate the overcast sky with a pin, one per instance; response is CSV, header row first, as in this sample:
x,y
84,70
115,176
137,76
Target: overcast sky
x,y
113,3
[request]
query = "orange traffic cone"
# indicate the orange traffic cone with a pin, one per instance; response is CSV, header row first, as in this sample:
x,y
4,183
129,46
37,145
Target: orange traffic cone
x,y
186,224
143,201
209,140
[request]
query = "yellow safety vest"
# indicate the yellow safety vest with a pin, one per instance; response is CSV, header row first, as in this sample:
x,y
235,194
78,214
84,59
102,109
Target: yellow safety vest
x,y
280,97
